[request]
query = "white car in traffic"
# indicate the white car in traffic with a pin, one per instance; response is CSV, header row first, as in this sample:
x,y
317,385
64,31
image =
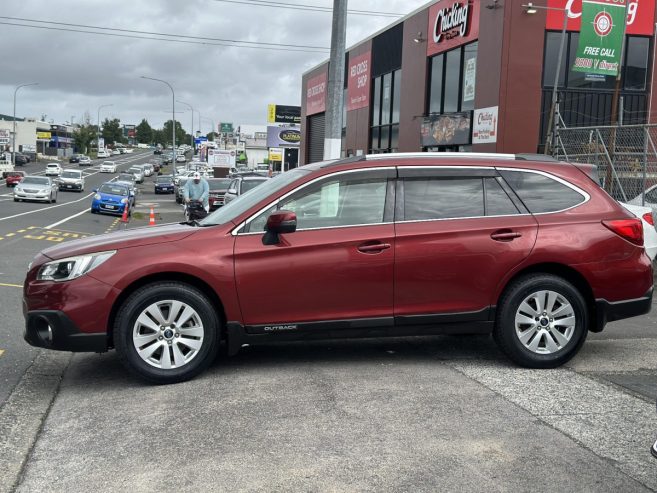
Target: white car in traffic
x,y
53,169
108,167
104,153
116,152
649,232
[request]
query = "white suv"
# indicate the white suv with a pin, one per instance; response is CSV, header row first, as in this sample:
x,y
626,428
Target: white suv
x,y
53,169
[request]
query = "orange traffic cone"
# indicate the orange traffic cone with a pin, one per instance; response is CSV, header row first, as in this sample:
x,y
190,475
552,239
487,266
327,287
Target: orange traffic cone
x,y
124,218
151,221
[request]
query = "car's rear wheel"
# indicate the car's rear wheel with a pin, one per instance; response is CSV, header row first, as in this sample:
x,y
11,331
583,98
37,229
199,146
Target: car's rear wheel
x,y
167,332
542,321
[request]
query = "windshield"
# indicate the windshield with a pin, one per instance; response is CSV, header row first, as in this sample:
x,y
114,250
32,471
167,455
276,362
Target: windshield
x,y
251,184
164,179
35,180
53,166
71,174
113,189
218,184
244,202
135,170
125,177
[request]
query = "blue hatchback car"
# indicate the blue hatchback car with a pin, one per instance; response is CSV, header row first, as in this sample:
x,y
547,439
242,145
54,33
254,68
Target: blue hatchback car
x,y
111,198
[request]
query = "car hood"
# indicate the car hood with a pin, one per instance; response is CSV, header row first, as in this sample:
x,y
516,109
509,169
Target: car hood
x,y
61,178
111,197
121,239
34,186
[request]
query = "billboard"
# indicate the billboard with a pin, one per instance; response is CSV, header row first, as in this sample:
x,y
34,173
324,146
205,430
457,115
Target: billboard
x,y
283,136
447,129
316,94
220,158
451,24
284,114
5,136
358,83
226,128
640,16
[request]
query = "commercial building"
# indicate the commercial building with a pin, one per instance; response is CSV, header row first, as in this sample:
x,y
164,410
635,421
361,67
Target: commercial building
x,y
476,75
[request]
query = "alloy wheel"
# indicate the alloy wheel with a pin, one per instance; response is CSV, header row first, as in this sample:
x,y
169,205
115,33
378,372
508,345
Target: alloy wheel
x,y
168,334
545,322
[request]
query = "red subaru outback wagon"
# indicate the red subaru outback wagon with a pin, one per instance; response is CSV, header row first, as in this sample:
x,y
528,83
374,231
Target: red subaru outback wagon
x,y
528,249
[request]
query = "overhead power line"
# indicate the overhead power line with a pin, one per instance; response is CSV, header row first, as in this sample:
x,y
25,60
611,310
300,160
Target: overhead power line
x,y
168,40
151,33
311,8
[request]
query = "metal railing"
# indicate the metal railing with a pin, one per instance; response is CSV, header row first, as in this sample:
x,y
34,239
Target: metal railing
x,y
626,157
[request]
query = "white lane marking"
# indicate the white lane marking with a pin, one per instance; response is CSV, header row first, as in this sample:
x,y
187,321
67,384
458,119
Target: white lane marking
x,y
54,225
46,208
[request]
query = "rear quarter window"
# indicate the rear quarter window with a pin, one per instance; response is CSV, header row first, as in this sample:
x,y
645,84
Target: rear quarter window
x,y
542,194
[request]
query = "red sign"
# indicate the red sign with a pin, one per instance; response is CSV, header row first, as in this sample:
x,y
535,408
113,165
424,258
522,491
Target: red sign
x,y
451,24
640,16
316,94
358,84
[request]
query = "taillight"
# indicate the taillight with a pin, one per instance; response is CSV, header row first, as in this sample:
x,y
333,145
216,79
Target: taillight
x,y
647,217
629,229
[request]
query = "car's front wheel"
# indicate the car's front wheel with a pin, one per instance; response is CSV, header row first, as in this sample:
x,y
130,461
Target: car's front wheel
x,y
167,332
542,321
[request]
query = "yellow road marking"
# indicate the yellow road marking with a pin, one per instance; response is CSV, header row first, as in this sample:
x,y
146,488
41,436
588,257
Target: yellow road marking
x,y
11,285
1,351
10,234
31,227
21,230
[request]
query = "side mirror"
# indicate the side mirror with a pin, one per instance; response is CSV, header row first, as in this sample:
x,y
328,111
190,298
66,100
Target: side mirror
x,y
232,191
279,222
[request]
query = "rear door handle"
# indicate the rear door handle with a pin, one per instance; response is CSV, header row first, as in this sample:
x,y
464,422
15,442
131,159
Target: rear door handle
x,y
505,235
377,247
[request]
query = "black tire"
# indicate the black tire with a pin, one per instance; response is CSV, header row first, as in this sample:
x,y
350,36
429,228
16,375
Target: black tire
x,y
93,211
138,302
16,200
505,334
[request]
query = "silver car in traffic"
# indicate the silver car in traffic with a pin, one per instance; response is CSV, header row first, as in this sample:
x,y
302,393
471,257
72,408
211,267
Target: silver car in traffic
x,y
36,188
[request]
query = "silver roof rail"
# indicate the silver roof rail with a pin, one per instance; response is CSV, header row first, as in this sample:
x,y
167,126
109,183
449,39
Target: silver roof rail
x,y
460,155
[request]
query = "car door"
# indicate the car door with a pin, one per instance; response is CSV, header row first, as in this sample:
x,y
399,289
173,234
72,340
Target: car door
x,y
337,267
458,232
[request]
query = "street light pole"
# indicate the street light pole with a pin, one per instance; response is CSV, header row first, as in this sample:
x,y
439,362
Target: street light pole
x,y
334,102
173,121
191,108
98,129
13,140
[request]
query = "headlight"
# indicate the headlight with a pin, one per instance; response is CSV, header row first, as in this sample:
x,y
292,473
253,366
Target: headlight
x,y
71,268
19,189
124,201
97,196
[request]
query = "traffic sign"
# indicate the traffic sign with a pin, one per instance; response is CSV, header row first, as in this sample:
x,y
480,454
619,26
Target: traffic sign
x,y
226,128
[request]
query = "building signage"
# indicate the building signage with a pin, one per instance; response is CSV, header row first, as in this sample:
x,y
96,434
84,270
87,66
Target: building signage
x,y
226,128
284,114
640,15
484,125
316,94
451,24
601,37
469,79
5,136
447,129
283,136
358,82
276,155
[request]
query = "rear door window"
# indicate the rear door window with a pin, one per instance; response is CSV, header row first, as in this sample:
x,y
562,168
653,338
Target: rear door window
x,y
542,194
443,198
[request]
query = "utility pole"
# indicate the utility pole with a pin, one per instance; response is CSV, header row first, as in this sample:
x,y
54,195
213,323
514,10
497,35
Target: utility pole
x,y
98,129
335,96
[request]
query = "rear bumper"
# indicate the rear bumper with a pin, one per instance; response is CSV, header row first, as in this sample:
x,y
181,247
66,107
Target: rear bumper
x,y
52,329
608,311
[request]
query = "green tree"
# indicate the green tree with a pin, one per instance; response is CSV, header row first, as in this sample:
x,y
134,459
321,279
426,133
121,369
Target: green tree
x,y
144,132
112,131
212,136
182,137
83,136
159,137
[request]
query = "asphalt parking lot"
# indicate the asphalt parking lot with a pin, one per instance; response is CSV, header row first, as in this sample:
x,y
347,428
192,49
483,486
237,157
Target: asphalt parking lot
x,y
440,413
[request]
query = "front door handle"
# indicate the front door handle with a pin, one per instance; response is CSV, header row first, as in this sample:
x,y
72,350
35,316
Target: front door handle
x,y
373,248
505,235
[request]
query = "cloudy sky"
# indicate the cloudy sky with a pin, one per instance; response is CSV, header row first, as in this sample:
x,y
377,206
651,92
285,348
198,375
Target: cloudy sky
x,y
78,72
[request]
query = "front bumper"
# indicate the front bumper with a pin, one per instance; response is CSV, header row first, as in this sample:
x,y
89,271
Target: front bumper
x,y
52,329
608,311
70,186
32,196
110,207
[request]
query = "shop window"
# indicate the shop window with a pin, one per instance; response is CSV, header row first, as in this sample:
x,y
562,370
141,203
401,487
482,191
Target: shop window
x,y
552,43
385,112
636,65
452,77
452,85
436,88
